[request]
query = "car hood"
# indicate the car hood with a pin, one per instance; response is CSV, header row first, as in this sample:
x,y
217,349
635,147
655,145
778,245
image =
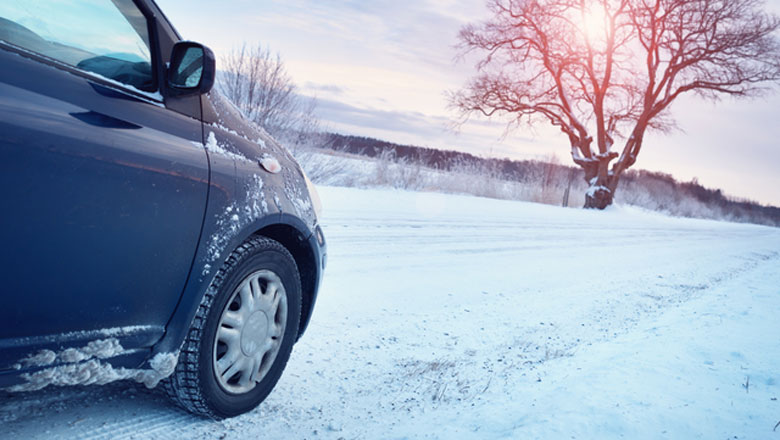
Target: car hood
x,y
219,112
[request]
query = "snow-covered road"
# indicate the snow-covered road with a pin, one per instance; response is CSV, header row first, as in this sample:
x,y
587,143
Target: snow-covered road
x,y
448,316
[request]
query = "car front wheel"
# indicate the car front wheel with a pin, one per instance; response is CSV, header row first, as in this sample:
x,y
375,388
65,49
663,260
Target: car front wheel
x,y
242,334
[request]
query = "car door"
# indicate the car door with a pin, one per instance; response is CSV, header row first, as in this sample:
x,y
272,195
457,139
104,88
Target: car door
x,y
103,189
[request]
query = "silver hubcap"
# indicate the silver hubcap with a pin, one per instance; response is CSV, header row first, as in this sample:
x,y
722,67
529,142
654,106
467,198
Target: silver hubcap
x,y
250,332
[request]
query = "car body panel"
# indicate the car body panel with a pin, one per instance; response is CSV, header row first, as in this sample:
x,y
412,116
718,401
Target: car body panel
x,y
115,185
121,207
243,199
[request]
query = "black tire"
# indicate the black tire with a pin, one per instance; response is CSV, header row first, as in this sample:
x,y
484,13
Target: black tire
x,y
194,385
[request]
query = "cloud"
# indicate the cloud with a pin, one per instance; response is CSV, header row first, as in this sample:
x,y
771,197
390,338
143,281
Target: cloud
x,y
330,89
421,32
480,137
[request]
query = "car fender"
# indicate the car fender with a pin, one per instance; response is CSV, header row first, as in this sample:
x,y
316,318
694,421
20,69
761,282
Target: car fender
x,y
243,200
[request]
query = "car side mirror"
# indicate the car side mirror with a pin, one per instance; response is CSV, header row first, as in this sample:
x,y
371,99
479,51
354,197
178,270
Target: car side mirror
x,y
192,69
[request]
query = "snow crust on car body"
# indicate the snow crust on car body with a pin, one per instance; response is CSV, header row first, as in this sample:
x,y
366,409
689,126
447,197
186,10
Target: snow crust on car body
x,y
87,366
214,147
232,137
234,218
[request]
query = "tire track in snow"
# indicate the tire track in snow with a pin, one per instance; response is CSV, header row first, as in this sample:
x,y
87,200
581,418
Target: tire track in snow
x,y
420,317
171,424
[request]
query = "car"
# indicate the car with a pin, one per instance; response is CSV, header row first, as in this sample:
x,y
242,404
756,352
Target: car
x,y
149,231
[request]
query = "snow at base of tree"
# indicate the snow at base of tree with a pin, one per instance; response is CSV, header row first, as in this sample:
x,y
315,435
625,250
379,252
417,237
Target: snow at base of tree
x,y
444,316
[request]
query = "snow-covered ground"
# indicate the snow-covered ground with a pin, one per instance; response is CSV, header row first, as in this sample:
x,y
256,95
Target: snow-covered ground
x,y
448,316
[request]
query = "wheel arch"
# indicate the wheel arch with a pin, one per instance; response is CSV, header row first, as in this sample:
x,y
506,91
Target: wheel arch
x,y
292,233
305,258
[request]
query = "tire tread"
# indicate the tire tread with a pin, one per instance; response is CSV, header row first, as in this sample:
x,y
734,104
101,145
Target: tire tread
x,y
183,386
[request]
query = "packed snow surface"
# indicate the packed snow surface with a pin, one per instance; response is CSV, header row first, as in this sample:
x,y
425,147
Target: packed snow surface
x,y
450,317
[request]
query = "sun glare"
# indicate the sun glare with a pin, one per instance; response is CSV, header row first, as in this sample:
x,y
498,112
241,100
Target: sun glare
x,y
594,23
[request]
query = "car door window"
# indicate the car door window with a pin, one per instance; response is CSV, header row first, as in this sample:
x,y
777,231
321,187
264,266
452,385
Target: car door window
x,y
105,37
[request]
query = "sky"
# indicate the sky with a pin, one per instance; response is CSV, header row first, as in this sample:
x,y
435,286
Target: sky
x,y
382,68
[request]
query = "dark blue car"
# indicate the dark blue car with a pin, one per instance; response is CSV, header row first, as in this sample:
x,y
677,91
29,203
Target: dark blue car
x,y
148,231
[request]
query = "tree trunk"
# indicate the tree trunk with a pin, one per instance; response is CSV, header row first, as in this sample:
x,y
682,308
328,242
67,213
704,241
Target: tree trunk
x,y
601,192
602,183
598,197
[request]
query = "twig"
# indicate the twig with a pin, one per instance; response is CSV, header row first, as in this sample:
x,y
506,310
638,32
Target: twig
x,y
488,385
441,393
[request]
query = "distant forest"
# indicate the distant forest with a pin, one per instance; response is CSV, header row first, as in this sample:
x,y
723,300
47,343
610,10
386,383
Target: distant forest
x,y
518,170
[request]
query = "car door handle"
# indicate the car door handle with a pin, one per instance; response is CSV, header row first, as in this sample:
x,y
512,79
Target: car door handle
x,y
104,121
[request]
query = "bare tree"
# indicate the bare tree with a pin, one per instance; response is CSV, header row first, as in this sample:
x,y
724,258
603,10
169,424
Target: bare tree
x,y
257,82
612,68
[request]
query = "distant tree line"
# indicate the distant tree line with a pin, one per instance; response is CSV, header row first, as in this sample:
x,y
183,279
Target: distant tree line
x,y
669,190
